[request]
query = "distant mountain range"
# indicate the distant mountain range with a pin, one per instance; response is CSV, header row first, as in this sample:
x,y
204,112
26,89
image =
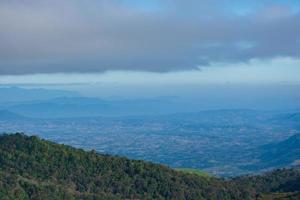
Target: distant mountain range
x,y
48,103
7,115
31,168
87,107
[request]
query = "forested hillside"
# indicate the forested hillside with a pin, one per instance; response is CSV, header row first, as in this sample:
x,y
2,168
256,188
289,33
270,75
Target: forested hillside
x,y
281,154
31,168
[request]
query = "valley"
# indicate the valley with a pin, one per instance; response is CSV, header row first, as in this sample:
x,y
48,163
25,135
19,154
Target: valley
x,y
221,142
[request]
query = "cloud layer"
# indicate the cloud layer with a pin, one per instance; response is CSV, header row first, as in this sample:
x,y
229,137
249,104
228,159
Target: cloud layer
x,y
90,36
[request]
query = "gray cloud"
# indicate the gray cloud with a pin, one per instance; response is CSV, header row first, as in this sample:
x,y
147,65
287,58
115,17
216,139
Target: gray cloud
x,y
88,36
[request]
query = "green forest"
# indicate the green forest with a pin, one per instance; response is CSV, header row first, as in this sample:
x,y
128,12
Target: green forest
x,y
33,168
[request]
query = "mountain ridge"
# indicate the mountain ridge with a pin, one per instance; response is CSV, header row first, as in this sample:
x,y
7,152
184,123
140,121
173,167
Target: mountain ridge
x,y
31,168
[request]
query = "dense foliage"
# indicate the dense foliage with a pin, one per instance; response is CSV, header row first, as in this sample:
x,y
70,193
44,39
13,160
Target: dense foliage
x,y
31,168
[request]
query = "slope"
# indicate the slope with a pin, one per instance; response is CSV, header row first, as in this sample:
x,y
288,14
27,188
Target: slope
x,y
31,168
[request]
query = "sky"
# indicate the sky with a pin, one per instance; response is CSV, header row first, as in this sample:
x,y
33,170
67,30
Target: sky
x,y
149,42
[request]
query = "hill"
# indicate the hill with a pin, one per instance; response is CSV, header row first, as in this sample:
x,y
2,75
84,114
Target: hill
x,y
69,107
281,154
7,115
31,168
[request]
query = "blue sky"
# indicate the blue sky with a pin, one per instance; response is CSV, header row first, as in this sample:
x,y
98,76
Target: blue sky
x,y
150,42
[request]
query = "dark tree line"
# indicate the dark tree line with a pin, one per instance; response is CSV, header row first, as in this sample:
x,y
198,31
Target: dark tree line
x,y
31,168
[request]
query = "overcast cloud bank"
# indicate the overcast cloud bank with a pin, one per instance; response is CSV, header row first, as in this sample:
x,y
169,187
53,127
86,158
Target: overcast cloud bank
x,y
99,35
